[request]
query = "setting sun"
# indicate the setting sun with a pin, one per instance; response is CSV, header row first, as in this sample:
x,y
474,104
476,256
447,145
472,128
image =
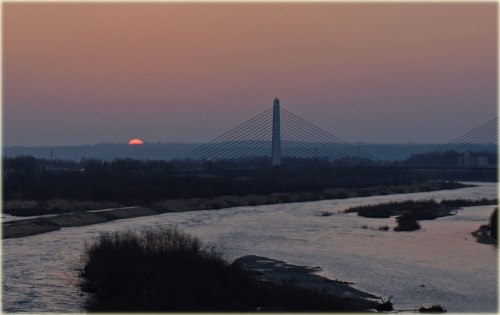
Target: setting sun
x,y
135,142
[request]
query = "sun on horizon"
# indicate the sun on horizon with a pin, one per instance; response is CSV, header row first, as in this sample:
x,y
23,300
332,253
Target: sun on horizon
x,y
135,141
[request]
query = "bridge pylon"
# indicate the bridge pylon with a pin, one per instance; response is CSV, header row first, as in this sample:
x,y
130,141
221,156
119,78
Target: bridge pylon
x,y
276,136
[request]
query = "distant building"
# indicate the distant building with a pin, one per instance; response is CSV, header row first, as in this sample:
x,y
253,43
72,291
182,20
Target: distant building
x,y
470,160
482,161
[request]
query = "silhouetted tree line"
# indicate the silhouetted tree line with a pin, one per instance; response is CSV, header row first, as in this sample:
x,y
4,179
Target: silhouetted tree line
x,y
128,180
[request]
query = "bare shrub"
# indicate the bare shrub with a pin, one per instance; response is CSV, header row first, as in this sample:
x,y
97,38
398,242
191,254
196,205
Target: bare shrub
x,y
165,269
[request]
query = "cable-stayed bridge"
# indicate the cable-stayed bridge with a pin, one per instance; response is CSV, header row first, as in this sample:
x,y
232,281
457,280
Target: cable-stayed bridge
x,y
275,137
279,137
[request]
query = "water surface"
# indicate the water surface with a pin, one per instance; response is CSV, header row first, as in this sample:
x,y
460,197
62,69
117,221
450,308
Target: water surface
x,y
440,264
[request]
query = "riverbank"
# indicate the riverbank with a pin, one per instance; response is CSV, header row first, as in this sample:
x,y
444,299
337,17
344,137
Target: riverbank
x,y
34,226
29,227
488,233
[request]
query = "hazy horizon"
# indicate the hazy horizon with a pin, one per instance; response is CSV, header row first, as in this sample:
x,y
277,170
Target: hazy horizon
x,y
89,73
146,143
168,151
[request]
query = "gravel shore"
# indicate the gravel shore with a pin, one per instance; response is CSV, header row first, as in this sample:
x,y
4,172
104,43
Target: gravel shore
x,y
34,226
281,272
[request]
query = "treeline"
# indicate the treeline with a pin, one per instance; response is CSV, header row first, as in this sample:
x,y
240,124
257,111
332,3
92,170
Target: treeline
x,y
128,180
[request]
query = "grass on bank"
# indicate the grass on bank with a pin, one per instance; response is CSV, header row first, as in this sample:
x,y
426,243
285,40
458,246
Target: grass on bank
x,y
24,207
409,212
167,270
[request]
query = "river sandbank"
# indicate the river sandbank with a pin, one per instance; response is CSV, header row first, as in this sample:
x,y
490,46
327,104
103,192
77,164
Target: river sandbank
x,y
34,226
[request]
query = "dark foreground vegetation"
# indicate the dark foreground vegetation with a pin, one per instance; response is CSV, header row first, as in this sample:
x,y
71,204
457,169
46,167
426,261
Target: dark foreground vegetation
x,y
488,233
127,181
408,213
167,270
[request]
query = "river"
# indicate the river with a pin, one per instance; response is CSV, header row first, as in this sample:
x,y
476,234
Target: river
x,y
439,264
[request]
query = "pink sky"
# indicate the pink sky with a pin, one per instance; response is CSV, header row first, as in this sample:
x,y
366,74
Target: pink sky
x,y
177,72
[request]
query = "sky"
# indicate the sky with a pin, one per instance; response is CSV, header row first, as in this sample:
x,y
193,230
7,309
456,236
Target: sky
x,y
87,73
